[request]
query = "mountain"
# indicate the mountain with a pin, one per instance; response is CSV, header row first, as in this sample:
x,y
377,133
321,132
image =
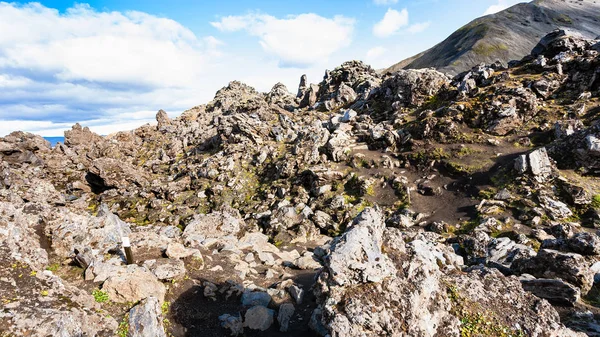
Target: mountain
x,y
507,35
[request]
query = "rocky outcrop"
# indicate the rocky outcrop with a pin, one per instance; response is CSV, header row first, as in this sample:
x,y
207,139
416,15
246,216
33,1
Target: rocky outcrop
x,y
415,289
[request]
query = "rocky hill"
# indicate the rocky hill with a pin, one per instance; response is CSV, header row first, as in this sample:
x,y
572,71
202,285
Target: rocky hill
x,y
508,35
408,204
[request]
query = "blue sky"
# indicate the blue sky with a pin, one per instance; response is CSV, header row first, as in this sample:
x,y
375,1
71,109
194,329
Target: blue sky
x,y
112,64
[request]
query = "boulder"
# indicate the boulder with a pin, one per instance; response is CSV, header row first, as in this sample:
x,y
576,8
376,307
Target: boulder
x,y
356,256
570,267
145,319
286,311
132,285
259,318
556,291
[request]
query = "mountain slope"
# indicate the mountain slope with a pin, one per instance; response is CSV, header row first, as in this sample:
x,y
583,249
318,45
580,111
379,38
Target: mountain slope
x,y
508,35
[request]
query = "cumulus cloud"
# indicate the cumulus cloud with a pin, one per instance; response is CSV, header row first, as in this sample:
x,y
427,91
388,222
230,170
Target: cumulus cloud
x,y
501,5
385,2
296,40
109,47
391,23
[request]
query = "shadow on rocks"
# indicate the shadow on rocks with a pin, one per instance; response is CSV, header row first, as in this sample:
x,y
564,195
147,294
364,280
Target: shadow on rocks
x,y
194,314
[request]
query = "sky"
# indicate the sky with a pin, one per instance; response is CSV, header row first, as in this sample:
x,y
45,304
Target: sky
x,y
112,64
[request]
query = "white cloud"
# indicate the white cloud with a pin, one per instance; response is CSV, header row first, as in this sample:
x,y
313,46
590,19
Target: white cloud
x,y
297,40
418,27
385,2
112,71
501,5
392,21
85,45
375,52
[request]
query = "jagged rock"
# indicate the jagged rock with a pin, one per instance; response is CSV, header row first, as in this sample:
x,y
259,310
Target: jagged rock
x,y
145,319
510,108
259,318
166,269
556,209
307,262
338,146
162,118
566,128
537,163
351,81
356,256
554,290
73,233
286,311
81,136
297,293
236,98
302,86
133,284
504,251
411,87
570,267
584,243
108,173
420,298
280,96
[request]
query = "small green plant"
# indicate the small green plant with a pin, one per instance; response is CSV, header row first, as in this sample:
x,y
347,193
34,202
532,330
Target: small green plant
x,y
44,293
596,201
100,296
123,329
53,267
164,308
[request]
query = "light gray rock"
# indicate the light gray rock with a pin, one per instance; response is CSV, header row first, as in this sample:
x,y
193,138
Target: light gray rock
x,y
176,250
504,251
145,319
259,318
593,144
297,293
133,284
348,116
307,262
166,269
557,210
356,256
540,163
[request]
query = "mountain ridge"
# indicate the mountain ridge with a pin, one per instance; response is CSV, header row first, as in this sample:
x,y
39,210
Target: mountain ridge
x,y
507,35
